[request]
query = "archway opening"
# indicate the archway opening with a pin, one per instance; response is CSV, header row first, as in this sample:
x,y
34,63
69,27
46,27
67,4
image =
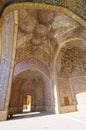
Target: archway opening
x,y
70,76
27,103
30,92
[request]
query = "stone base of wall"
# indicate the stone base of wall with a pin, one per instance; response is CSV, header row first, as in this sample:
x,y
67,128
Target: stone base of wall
x,y
45,108
65,109
15,110
39,108
50,109
3,115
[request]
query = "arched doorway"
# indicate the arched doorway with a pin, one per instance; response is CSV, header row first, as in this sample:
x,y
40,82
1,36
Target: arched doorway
x,y
33,86
70,75
27,101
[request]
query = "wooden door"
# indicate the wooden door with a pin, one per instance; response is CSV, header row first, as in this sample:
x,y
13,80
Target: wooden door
x,y
25,102
66,101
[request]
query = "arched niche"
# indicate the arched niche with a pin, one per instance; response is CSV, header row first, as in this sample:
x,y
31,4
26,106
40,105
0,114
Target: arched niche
x,y
31,63
31,82
70,75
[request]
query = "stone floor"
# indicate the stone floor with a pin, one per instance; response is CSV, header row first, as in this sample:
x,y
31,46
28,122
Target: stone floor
x,y
46,121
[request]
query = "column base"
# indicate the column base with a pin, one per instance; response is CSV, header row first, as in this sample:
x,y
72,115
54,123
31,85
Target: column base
x,y
50,109
3,115
66,109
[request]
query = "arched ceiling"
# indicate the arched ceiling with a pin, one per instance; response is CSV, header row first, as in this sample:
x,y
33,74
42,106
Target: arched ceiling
x,y
29,75
77,6
71,61
42,30
33,64
40,33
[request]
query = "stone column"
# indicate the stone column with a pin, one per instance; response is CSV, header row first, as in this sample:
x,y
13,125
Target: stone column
x,y
9,36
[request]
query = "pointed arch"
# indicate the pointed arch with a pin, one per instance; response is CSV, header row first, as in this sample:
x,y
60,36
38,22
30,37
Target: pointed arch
x,y
32,63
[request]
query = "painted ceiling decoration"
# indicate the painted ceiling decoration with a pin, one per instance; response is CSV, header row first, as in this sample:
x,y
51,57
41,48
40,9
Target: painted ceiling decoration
x,y
42,30
32,75
40,33
77,6
33,64
72,60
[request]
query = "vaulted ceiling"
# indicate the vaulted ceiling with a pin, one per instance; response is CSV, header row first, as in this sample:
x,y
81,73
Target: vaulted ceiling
x,y
77,6
40,33
72,60
28,75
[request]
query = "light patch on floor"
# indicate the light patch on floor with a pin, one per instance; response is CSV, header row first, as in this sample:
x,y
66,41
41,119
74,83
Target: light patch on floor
x,y
46,121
